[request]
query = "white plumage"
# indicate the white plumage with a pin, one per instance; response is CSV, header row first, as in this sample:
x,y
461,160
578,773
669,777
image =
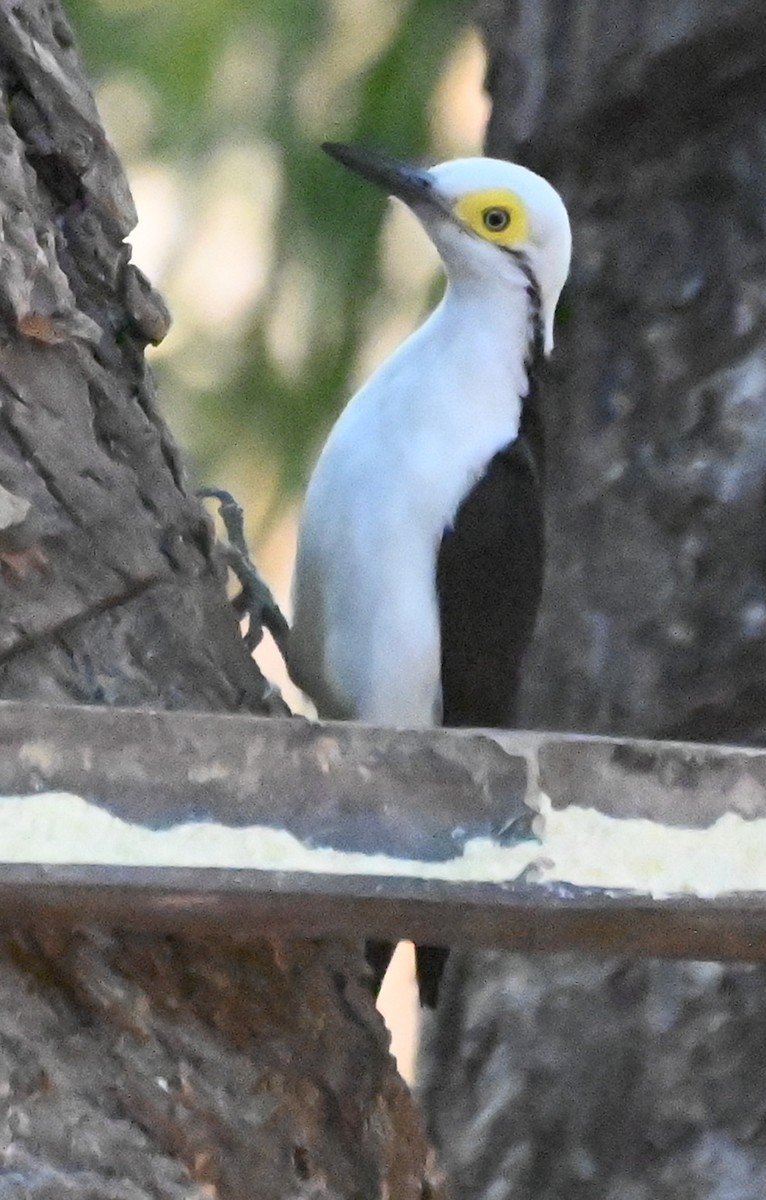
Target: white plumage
x,y
412,443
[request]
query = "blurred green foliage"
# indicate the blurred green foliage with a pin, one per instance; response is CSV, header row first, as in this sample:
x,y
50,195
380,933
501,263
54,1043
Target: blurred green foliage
x,y
228,73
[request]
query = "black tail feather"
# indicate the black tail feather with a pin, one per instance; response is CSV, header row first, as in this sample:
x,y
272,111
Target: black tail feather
x,y
378,955
430,962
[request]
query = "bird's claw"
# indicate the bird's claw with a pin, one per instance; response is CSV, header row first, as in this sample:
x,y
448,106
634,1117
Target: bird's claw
x,y
255,599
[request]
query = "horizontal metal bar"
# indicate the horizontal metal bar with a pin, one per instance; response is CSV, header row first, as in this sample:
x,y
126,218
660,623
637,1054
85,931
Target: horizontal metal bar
x,y
242,905
415,794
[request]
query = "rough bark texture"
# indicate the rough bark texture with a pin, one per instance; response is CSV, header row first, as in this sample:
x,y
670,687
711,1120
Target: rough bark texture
x,y
137,1065
563,1077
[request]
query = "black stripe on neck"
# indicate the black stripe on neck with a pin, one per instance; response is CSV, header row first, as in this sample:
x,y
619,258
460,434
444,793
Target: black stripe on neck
x,y
531,427
536,345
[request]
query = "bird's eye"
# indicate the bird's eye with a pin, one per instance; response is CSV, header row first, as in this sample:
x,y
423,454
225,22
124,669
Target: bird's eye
x,y
496,219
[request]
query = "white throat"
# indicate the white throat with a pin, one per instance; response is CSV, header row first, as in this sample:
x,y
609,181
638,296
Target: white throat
x,y
493,324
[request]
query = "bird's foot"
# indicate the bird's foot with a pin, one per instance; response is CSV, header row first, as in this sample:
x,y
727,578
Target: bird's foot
x,y
255,600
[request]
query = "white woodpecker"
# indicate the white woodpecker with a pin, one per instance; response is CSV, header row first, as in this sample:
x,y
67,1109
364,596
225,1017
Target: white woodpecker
x,y
420,550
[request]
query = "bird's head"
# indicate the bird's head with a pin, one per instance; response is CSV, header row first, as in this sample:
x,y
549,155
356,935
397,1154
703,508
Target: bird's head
x,y
487,218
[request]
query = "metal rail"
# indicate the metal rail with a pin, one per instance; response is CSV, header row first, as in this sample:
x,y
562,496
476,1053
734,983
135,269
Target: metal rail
x,y
415,794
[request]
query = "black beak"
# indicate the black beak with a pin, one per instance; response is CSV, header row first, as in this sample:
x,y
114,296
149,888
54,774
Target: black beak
x,y
413,185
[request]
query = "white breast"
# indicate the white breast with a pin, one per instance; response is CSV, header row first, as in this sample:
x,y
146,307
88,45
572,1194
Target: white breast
x,y
402,456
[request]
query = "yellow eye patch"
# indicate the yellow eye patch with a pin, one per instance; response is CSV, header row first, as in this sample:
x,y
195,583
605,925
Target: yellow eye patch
x,y
496,215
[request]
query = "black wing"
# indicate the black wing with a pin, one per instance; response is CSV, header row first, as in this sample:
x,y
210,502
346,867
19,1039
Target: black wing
x,y
489,582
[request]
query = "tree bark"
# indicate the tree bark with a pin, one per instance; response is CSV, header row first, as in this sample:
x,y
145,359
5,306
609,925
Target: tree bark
x,y
563,1077
141,1065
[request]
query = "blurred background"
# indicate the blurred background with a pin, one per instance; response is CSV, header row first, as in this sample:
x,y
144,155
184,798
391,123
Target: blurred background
x,y
288,280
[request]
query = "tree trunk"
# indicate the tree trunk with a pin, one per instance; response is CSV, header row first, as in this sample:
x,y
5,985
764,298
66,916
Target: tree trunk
x,y
560,1077
140,1065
